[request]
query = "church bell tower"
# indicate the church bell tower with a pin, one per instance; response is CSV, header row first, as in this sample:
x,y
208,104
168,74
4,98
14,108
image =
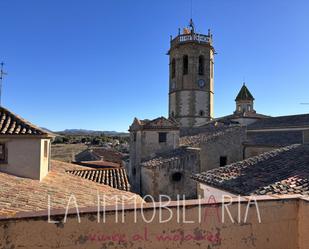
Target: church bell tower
x,y
191,77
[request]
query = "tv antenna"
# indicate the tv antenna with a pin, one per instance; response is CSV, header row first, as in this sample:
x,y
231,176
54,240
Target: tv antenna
x,y
2,73
191,9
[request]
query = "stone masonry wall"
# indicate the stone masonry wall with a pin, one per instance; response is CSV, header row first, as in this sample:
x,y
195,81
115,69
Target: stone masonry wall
x,y
229,145
159,179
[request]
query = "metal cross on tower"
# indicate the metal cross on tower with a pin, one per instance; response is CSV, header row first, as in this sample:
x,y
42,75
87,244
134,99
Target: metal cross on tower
x,y
2,73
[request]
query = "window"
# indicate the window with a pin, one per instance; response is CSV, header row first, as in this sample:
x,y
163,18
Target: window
x,y
134,136
249,108
45,149
173,114
239,108
202,113
223,161
134,171
201,65
185,64
3,155
176,177
162,137
173,68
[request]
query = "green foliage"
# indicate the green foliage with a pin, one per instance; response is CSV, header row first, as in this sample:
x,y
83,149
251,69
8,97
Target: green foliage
x,y
97,140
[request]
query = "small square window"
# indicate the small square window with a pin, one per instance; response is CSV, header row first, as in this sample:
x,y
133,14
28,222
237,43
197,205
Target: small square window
x,y
162,137
223,161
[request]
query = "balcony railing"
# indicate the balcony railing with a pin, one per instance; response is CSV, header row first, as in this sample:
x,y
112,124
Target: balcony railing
x,y
192,37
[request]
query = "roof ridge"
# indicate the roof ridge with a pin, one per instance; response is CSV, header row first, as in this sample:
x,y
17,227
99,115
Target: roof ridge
x,y
259,158
22,121
244,94
208,137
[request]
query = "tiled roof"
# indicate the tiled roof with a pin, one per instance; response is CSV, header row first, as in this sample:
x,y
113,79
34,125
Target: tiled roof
x,y
22,194
281,171
206,136
168,156
115,178
12,124
98,164
244,94
294,121
158,123
274,138
96,153
243,115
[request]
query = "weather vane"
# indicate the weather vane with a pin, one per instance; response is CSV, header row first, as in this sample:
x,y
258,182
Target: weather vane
x,y
2,73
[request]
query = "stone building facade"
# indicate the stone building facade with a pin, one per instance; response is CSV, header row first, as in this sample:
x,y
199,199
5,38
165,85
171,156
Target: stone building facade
x,y
148,137
170,173
165,152
191,79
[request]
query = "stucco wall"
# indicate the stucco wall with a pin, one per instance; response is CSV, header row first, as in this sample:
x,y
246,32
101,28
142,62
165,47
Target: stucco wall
x,y
280,228
303,224
25,158
205,191
44,158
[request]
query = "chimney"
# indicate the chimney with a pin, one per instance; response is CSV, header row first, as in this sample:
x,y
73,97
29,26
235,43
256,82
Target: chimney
x,y
306,137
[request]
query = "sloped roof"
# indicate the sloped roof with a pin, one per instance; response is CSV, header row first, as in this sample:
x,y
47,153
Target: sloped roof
x,y
274,138
244,94
281,171
169,156
115,178
206,136
26,195
99,164
11,124
230,119
158,123
291,121
98,153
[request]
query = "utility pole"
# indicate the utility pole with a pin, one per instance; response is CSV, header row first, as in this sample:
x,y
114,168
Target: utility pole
x,y
2,73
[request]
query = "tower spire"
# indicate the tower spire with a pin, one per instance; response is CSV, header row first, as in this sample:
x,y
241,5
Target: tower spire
x,y
2,73
191,24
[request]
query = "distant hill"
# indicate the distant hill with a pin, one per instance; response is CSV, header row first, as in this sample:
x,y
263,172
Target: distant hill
x,y
90,132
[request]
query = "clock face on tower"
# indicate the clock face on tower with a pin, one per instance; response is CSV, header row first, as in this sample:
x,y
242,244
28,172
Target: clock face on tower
x,y
201,83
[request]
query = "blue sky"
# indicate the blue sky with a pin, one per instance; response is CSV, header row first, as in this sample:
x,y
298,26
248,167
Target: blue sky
x,y
97,64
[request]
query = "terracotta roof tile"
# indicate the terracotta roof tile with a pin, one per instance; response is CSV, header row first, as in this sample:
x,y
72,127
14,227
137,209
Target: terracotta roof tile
x,y
169,156
158,123
205,136
96,153
274,138
23,194
12,124
115,178
293,121
281,171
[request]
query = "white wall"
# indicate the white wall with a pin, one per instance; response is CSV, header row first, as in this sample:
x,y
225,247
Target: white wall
x,y
207,192
25,157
